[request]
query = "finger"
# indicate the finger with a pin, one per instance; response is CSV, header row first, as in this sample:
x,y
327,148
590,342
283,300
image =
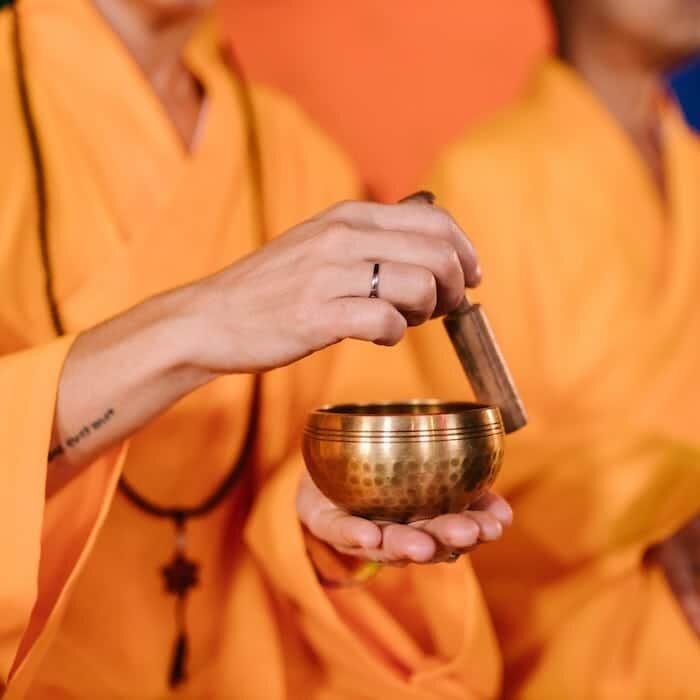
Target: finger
x,y
490,528
365,246
400,545
403,542
442,555
374,320
410,288
329,523
411,217
678,568
453,531
466,252
496,506
339,529
428,198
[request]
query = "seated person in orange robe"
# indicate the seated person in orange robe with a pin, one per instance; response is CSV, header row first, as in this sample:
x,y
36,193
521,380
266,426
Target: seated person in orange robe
x,y
142,304
582,199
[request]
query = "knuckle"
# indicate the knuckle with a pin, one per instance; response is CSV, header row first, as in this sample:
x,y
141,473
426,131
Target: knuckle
x,y
332,321
453,293
306,299
392,326
385,318
345,319
311,320
307,321
316,281
454,299
444,221
425,290
446,258
344,312
334,239
449,272
343,210
389,542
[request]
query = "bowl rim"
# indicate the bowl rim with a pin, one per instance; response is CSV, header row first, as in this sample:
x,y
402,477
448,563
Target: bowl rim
x,y
457,418
359,409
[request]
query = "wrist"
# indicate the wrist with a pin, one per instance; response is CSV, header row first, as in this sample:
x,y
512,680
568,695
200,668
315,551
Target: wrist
x,y
201,325
172,324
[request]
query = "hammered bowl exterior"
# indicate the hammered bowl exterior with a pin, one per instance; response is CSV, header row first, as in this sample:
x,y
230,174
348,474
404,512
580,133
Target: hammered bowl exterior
x,y
404,461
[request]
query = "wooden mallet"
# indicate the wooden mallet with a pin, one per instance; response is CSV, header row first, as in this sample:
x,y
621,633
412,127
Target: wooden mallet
x,y
481,358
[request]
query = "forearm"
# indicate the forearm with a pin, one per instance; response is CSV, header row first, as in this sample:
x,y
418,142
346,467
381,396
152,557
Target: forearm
x,y
292,297
118,376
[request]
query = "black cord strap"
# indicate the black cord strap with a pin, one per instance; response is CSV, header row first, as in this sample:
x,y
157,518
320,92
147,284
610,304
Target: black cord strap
x,y
181,574
40,178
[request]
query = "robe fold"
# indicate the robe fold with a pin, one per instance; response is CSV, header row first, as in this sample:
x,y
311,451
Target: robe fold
x,y
591,283
83,611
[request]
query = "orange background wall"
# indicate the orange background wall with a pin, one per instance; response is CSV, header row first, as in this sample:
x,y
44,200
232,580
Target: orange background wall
x,y
391,80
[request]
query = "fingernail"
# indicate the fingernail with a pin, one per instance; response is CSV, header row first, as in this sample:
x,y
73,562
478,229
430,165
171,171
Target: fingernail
x,y
491,531
464,536
419,552
503,512
422,195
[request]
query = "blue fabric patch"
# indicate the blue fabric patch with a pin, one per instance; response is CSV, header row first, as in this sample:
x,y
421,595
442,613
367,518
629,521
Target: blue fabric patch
x,y
685,85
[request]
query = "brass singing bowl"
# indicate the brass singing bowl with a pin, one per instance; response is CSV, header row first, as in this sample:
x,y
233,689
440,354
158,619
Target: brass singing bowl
x,y
404,461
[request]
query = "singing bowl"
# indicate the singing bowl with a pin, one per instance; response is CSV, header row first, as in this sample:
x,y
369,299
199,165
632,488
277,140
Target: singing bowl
x,y
404,461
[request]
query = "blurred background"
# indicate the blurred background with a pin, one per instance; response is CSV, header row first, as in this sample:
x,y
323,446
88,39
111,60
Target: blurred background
x,y
391,81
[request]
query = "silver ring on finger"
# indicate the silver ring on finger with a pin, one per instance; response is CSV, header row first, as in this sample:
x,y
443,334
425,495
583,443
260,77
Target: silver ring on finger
x,y
453,556
374,284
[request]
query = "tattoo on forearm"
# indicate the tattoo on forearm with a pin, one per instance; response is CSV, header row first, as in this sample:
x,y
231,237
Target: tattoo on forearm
x,y
84,432
56,452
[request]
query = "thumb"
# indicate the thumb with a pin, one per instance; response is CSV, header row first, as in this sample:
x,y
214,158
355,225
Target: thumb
x,y
329,523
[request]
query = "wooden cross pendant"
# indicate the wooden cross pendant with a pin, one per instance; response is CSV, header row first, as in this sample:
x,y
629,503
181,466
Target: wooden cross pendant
x,y
181,574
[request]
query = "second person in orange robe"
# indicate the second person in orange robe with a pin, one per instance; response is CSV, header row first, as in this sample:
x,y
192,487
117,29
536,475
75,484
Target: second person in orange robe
x,y
582,199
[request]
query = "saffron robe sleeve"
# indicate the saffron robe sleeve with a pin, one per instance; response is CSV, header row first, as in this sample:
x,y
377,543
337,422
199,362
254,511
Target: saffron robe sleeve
x,y
589,285
29,376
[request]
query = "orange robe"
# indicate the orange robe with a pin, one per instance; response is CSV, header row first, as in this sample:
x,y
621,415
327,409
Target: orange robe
x,y
592,286
83,613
